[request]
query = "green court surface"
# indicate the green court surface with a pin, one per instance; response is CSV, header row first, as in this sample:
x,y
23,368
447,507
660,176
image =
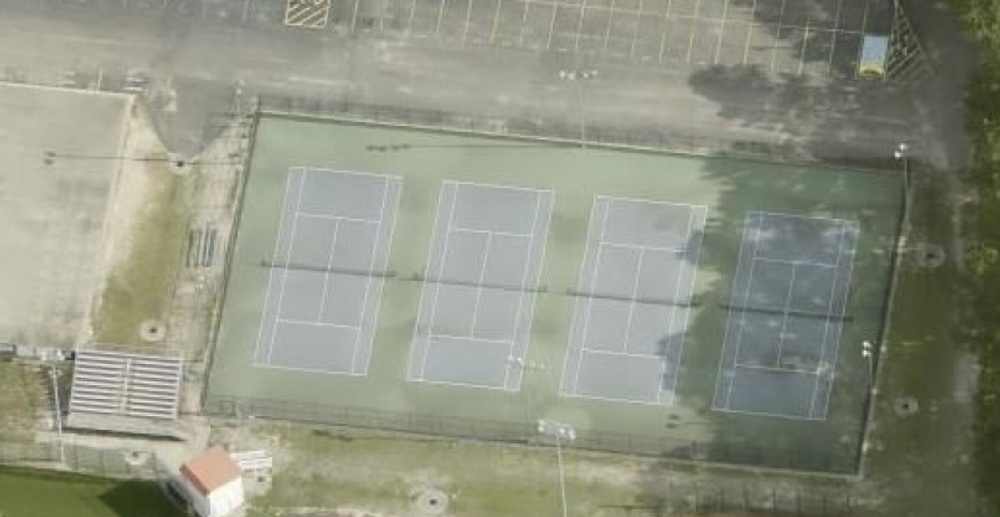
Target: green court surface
x,y
705,309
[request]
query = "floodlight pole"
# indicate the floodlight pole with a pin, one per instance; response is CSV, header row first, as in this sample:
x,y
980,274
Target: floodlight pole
x,y
902,153
580,75
559,431
55,394
868,352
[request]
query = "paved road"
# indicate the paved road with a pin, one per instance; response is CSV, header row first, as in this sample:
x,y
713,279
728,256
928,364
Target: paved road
x,y
189,66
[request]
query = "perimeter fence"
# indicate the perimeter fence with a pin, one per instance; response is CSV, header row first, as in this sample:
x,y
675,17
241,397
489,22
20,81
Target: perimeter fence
x,y
649,137
717,451
106,463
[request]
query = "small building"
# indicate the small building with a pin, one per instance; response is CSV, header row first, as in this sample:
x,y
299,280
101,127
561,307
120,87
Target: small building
x,y
214,483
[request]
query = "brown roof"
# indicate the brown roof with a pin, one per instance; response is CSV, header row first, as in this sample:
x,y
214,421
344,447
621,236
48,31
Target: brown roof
x,y
210,470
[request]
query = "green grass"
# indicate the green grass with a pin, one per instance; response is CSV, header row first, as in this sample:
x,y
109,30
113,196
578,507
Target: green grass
x,y
19,395
36,493
921,463
141,289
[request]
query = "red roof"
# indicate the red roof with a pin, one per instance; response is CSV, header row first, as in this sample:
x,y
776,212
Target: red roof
x,y
210,470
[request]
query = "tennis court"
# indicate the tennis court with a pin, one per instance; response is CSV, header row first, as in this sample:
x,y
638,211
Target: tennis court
x,y
464,285
786,315
474,317
632,305
326,274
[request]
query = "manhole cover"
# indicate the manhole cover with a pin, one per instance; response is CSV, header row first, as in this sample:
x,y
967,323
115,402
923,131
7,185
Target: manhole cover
x,y
431,501
152,331
905,406
929,255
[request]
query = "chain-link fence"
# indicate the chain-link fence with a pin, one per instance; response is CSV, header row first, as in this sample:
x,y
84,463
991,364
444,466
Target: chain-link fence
x,y
719,451
107,463
746,499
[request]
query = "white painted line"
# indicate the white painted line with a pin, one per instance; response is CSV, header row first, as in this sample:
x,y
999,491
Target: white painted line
x,y
635,33
776,369
423,290
479,284
309,323
337,218
612,244
796,263
607,29
797,216
777,35
437,26
306,370
496,186
694,30
722,30
762,413
496,22
579,25
596,351
440,274
468,19
666,30
826,329
552,27
784,318
649,201
450,337
521,295
385,262
805,43
368,277
354,18
631,304
460,384
335,172
609,399
524,23
746,300
677,297
274,258
284,274
589,302
329,267
494,233
693,266
575,319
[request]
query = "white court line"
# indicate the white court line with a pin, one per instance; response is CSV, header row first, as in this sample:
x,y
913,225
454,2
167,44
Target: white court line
x,y
579,25
796,263
596,351
326,275
456,229
687,315
368,277
778,369
746,47
607,28
722,30
826,326
843,307
461,384
468,20
622,400
524,23
288,255
631,304
479,284
440,274
575,318
666,26
805,42
589,302
321,170
677,296
764,413
777,35
313,215
694,30
310,323
274,258
496,186
780,215
649,201
496,22
385,261
521,294
552,26
612,244
427,273
487,341
746,300
784,318
307,370
635,33
437,27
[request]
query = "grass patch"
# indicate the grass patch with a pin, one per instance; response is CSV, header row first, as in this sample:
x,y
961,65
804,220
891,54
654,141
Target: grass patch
x,y
378,473
38,493
19,395
937,480
143,286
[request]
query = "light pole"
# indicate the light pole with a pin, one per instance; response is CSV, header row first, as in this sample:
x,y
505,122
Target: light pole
x,y
868,352
902,154
580,75
560,431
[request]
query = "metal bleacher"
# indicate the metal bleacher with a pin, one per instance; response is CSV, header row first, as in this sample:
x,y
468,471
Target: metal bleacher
x,y
126,384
